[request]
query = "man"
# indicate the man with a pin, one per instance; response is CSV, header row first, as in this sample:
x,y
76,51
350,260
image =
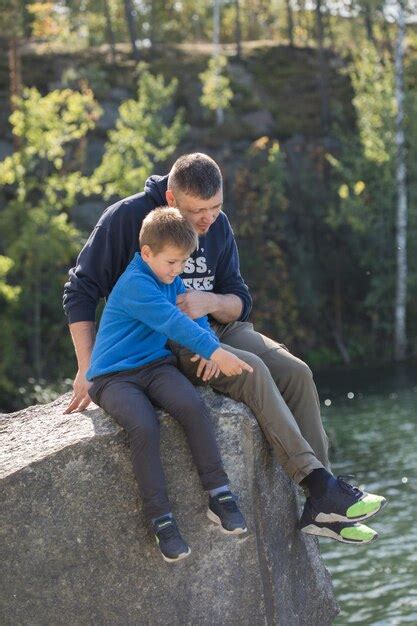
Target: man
x,y
280,391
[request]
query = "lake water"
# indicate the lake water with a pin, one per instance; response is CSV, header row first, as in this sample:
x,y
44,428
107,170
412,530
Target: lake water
x,y
374,435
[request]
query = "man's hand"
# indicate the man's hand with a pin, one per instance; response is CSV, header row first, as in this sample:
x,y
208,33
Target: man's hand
x,y
197,303
206,369
80,398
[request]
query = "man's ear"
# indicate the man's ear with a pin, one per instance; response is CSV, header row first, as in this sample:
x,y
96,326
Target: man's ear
x,y
169,195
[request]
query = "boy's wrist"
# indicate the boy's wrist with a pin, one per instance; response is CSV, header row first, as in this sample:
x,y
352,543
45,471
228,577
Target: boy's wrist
x,y
216,354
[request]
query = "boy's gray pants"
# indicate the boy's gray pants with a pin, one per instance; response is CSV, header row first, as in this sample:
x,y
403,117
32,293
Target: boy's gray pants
x,y
281,393
129,398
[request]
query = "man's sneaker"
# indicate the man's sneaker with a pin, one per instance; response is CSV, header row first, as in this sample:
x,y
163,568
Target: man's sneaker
x,y
345,532
223,510
343,502
172,546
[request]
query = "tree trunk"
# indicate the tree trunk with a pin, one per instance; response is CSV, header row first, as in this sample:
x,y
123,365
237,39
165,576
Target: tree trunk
x,y
15,75
400,334
369,25
338,325
109,31
238,31
131,26
216,50
323,78
387,37
290,22
37,354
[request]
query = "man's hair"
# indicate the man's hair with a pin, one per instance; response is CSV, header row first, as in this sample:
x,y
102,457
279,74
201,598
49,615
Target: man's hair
x,y
166,226
196,175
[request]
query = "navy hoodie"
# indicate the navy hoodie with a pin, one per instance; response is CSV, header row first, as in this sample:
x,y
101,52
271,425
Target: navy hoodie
x,y
214,266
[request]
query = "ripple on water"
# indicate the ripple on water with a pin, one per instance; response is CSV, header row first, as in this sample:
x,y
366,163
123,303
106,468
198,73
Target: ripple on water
x,y
375,438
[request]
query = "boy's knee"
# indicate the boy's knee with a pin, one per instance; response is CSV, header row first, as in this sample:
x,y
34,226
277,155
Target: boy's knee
x,y
190,405
143,430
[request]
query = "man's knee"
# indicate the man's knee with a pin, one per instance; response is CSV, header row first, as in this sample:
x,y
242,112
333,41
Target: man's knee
x,y
260,371
297,371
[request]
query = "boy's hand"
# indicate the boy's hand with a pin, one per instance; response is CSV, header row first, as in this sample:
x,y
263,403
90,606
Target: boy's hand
x,y
210,368
80,398
196,303
229,363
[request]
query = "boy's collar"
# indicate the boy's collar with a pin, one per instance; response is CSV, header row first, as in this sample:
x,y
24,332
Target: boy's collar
x,y
146,268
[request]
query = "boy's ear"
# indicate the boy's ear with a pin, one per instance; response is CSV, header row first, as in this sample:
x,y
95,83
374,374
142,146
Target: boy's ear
x,y
145,252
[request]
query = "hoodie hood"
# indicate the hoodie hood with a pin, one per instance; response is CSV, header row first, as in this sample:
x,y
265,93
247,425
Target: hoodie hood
x,y
156,187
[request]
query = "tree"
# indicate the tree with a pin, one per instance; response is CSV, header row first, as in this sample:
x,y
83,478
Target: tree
x,y
323,70
109,30
11,24
262,204
400,333
238,30
142,138
130,14
365,179
41,184
217,94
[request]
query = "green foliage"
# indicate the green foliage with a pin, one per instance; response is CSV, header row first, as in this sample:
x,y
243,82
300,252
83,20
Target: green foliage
x,y
39,391
217,93
261,204
91,75
7,292
41,181
363,205
146,133
374,101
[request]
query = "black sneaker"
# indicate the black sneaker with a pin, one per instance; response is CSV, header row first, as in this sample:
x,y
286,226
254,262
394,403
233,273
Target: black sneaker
x,y
345,532
172,546
343,502
224,511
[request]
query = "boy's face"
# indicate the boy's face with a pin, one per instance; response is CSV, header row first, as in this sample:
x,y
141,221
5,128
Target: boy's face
x,y
166,264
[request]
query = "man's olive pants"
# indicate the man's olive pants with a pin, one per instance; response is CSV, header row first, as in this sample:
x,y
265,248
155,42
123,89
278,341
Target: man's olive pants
x,y
280,392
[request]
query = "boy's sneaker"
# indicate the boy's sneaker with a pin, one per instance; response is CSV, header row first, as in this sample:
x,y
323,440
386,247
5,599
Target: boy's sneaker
x,y
345,532
343,502
172,546
223,510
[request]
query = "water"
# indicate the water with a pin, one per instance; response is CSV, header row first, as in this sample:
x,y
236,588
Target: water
x,y
374,436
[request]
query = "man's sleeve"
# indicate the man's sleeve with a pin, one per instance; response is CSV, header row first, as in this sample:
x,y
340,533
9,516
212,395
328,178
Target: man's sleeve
x,y
93,277
145,302
228,278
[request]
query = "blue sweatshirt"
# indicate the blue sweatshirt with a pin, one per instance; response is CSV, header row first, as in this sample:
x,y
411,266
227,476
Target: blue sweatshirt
x,y
139,318
214,266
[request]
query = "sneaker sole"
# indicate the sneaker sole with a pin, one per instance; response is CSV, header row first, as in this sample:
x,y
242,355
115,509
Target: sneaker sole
x,y
311,529
180,557
216,519
335,517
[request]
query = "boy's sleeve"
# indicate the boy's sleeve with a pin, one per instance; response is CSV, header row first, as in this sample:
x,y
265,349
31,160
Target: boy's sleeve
x,y
145,302
228,278
201,321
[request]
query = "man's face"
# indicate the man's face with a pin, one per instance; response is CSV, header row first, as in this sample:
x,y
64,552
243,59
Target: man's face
x,y
166,264
200,213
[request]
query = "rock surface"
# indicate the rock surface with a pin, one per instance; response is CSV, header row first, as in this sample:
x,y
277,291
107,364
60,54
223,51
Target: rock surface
x,y
75,547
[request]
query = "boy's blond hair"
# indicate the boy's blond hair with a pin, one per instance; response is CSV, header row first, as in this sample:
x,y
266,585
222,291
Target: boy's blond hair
x,y
166,226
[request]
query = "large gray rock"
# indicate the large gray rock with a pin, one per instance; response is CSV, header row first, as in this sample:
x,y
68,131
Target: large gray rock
x,y
76,549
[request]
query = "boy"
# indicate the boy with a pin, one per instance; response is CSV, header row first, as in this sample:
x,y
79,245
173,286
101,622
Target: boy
x,y
132,369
